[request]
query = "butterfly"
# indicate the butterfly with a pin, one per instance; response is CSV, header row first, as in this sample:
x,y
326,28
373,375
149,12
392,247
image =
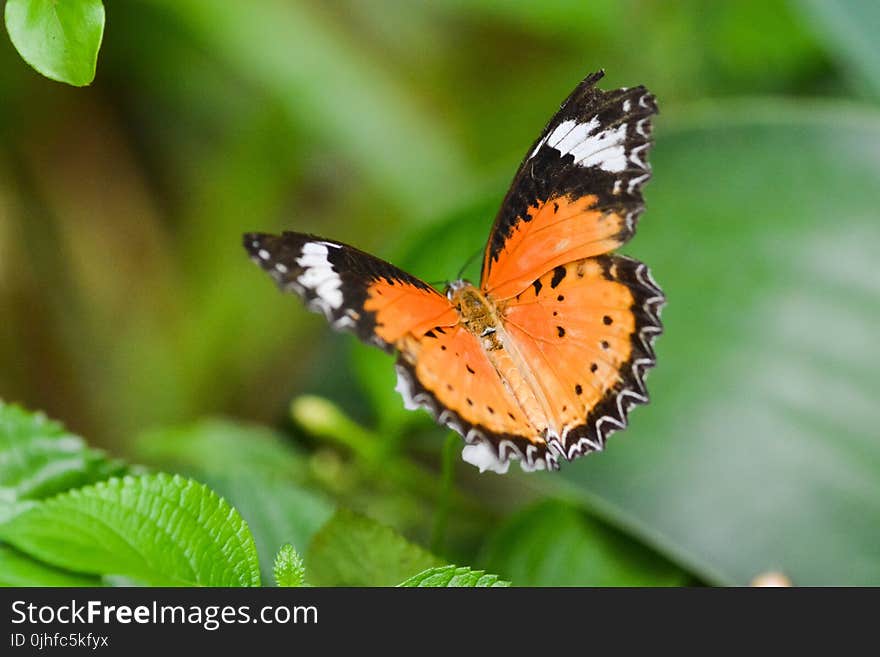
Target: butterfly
x,y
545,358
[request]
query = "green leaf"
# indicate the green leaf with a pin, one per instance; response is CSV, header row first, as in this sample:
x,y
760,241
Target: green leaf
x,y
261,474
554,544
453,576
17,569
59,38
289,569
39,458
352,550
155,529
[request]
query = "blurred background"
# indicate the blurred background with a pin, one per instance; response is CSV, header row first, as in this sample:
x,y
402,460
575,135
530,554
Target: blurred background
x,y
129,310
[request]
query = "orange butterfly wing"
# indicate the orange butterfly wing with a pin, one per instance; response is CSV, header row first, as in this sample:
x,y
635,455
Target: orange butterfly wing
x,y
577,193
447,372
586,332
355,291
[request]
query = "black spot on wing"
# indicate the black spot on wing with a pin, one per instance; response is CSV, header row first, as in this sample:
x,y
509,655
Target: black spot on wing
x,y
558,275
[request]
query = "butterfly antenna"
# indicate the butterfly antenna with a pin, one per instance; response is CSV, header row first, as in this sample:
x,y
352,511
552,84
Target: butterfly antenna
x,y
467,263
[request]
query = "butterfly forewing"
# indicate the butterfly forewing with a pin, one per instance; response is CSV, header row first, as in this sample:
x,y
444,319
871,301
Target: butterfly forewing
x,y
354,290
577,193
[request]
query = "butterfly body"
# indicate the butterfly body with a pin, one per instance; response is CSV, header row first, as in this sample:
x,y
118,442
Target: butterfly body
x,y
546,355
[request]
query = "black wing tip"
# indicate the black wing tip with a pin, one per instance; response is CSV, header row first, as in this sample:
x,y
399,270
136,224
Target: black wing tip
x,y
593,78
253,242
588,94
647,101
267,250
258,244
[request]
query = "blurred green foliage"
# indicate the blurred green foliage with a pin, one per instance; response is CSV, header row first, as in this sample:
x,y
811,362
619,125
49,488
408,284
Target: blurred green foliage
x,y
551,544
352,550
126,301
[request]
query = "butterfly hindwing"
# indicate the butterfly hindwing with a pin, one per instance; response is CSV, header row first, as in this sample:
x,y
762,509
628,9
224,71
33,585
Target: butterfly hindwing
x,y
586,331
578,191
354,290
448,373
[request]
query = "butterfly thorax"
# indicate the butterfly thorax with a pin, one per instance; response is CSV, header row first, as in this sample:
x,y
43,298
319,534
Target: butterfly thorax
x,y
477,312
